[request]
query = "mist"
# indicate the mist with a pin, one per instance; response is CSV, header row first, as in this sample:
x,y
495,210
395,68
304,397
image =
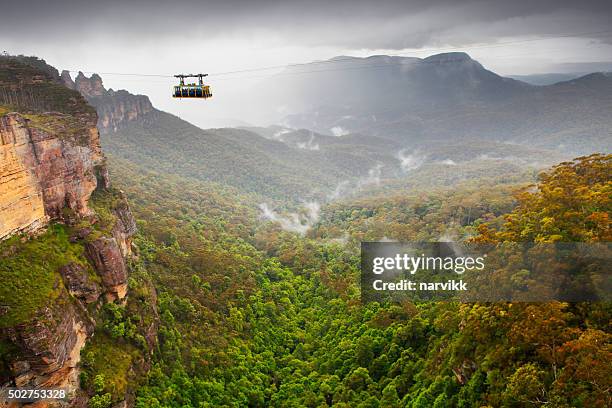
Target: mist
x,y
299,222
410,161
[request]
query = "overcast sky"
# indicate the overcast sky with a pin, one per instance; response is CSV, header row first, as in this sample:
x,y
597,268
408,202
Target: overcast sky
x,y
218,36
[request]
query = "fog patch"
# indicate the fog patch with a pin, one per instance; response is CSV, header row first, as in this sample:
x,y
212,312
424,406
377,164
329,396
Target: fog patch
x,y
339,131
448,162
279,136
299,222
309,145
410,161
485,156
347,188
344,239
343,188
373,177
283,109
451,239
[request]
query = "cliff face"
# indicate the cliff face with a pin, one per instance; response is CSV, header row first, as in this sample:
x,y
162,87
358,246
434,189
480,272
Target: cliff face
x,y
50,152
21,203
50,345
43,174
115,108
50,165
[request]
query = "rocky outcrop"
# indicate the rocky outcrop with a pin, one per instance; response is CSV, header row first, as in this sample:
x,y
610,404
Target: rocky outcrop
x,y
107,253
44,172
89,87
79,283
50,152
49,346
108,262
115,109
21,202
125,226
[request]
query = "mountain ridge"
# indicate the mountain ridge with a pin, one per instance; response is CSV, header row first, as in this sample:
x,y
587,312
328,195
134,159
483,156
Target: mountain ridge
x,y
409,102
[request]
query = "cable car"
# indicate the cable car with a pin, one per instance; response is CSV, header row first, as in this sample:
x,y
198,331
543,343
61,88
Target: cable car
x,y
199,90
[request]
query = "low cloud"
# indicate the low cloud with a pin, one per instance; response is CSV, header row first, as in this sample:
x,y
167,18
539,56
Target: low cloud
x,y
299,222
347,188
342,189
339,131
373,177
344,239
410,161
309,145
280,135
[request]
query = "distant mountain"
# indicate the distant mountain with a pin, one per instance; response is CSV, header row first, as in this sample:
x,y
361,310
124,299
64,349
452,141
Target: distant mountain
x,y
442,97
547,79
350,89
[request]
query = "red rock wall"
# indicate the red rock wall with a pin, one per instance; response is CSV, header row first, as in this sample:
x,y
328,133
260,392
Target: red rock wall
x,y
40,167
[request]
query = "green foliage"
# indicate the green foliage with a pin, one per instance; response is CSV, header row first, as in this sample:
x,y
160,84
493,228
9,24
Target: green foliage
x,y
106,366
119,325
573,203
29,272
100,401
103,201
251,315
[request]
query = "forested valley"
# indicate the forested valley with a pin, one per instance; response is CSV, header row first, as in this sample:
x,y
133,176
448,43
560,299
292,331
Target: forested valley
x,y
251,315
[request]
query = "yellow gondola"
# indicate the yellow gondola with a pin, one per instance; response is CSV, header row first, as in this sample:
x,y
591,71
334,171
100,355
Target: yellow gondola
x,y
198,90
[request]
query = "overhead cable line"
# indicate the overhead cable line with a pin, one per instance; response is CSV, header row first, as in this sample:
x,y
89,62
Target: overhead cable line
x,y
358,59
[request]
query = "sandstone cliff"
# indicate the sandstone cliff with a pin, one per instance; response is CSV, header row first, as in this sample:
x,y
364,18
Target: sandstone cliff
x,y
44,172
50,345
115,108
63,256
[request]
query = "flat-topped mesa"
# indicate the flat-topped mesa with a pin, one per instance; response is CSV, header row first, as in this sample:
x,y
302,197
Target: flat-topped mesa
x,y
449,57
116,109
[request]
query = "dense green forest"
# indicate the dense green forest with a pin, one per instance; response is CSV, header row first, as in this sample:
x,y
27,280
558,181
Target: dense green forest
x,y
251,315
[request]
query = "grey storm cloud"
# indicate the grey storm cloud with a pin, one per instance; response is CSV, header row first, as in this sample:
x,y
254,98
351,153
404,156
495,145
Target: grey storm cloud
x,y
365,24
